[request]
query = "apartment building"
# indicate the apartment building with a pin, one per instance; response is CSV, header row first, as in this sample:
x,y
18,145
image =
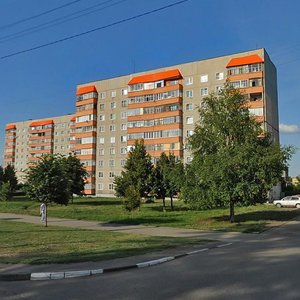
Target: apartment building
x,y
159,106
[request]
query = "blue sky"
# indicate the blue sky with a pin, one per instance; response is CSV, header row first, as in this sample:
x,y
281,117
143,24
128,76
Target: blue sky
x,y
42,83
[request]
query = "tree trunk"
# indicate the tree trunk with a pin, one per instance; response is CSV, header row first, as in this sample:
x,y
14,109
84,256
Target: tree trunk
x,y
172,206
231,217
164,204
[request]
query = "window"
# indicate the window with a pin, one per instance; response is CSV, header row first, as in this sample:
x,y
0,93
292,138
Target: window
x,y
102,118
204,78
123,126
113,105
113,94
189,106
256,111
189,80
123,114
112,151
101,163
101,128
100,186
123,138
111,186
204,91
101,140
124,92
112,116
100,174
189,120
103,95
101,106
123,150
159,84
112,139
123,162
111,163
189,94
220,76
111,174
218,89
112,127
101,151
124,103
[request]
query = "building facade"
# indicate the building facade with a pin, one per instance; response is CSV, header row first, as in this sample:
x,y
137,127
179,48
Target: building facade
x,y
159,106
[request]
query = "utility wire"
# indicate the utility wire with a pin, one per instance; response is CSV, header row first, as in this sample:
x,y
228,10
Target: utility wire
x,y
38,15
56,22
95,29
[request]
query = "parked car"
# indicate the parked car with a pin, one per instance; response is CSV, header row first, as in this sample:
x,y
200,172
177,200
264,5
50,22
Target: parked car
x,y
288,201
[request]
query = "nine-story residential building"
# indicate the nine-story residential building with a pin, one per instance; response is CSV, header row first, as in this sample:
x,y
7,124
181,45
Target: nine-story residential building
x,y
159,106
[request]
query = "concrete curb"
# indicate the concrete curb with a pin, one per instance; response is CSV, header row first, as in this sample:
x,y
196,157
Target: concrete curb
x,y
85,273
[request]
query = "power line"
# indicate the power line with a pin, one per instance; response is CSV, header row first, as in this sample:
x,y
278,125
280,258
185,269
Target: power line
x,y
56,22
38,15
95,29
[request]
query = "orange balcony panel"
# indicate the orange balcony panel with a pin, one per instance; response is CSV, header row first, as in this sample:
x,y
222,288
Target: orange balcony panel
x,y
85,146
251,90
163,89
86,112
87,101
85,134
86,157
86,123
245,76
40,144
32,159
10,127
90,192
10,147
40,137
177,153
169,140
255,104
40,151
41,123
7,160
259,118
10,134
90,168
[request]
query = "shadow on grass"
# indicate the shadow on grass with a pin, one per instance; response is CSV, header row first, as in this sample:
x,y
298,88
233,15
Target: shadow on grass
x,y
270,215
96,202
155,221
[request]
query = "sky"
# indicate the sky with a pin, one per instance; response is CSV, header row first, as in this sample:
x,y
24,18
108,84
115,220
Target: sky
x,y
42,83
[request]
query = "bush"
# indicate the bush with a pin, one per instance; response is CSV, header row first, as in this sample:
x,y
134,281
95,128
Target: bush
x,y
132,199
5,191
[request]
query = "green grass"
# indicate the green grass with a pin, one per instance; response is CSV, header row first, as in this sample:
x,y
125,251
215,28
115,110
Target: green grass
x,y
254,218
35,244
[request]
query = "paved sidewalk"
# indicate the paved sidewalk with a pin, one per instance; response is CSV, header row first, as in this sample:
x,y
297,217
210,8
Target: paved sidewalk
x,y
137,229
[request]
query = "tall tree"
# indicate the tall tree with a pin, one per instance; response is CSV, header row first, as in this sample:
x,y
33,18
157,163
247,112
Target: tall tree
x,y
9,176
48,181
233,160
168,175
77,173
137,172
1,174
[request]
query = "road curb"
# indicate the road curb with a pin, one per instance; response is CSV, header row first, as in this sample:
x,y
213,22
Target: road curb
x,y
86,273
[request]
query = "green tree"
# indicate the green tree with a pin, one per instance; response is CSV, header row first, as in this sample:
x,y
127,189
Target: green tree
x,y
77,173
168,177
5,191
1,174
137,172
9,175
132,200
47,180
233,161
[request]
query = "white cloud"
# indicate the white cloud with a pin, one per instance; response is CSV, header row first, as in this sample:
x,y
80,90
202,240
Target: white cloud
x,y
284,128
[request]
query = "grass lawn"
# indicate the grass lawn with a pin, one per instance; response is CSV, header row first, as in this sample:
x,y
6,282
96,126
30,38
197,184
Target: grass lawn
x,y
254,218
35,244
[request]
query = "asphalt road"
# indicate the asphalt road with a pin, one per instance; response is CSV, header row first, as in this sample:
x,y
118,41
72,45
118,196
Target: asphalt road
x,y
264,266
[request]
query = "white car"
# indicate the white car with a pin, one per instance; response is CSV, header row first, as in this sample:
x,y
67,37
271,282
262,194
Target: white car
x,y
288,201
